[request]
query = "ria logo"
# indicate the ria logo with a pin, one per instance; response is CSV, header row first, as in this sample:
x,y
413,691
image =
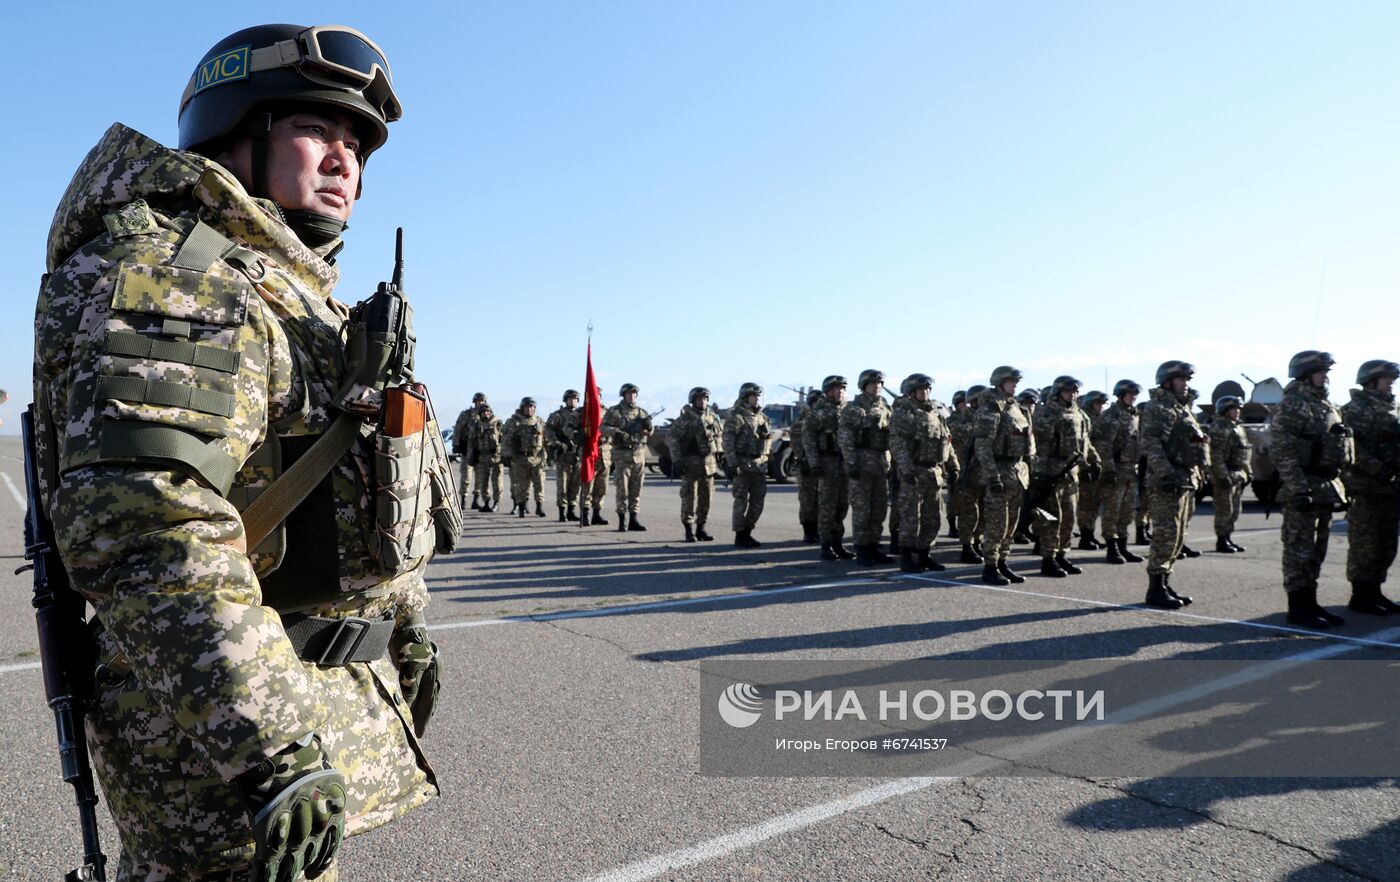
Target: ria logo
x,y
740,705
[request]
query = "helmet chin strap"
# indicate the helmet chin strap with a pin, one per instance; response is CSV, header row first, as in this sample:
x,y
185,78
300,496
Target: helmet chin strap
x,y
311,227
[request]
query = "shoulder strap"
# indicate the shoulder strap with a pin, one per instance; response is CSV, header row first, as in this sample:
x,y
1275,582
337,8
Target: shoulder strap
x,y
287,492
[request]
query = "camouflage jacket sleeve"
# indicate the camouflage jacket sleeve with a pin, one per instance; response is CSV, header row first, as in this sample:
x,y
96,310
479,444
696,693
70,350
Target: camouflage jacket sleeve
x,y
612,422
1152,440
1222,439
1091,453
1376,425
814,428
509,449
552,437
1104,438
732,426
984,429
850,421
1286,429
159,554
901,441
460,432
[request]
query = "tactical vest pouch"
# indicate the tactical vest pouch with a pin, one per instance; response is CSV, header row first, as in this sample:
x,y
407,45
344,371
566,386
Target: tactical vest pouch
x,y
1018,442
1190,446
446,508
402,502
1338,449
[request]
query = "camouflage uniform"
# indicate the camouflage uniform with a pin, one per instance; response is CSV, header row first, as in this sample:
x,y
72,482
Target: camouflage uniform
x,y
1374,516
627,427
222,365
562,432
695,440
1230,471
923,451
484,454
1091,490
747,435
807,483
823,453
1061,434
595,492
1311,447
965,494
461,432
522,440
1003,444
1175,448
864,437
1115,436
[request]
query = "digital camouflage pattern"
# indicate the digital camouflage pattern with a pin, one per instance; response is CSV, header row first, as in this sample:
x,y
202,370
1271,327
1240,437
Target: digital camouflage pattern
x,y
695,439
1176,449
627,426
1311,447
1003,444
864,439
1115,437
563,434
1230,450
522,440
747,435
922,446
822,451
1061,433
807,483
965,493
1090,501
204,683
484,454
1374,517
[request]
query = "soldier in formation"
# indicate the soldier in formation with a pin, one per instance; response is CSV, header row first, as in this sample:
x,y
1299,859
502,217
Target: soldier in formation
x,y
1374,516
1003,445
965,496
628,426
747,436
592,494
826,463
523,443
1115,436
695,439
461,437
1062,446
1176,448
484,454
1030,400
864,439
563,434
1091,404
1312,447
923,449
807,508
1230,470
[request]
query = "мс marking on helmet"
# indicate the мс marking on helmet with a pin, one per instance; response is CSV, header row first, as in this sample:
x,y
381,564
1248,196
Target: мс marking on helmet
x,y
223,68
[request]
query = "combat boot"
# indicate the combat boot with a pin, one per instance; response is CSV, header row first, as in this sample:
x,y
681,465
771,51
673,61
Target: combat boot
x,y
1187,551
926,562
539,509
1062,561
476,502
1050,567
571,514
969,555
1009,574
598,519
1113,555
991,575
863,556
977,547
842,551
952,526
1157,596
1087,542
633,525
1223,546
1141,536
894,542
520,509
809,533
1304,612
744,539
689,533
879,556
1233,544
1123,550
701,535
562,516
828,553
907,564
621,523
1171,592
1366,597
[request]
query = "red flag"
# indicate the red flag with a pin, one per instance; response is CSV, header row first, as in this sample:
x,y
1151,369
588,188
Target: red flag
x,y
592,423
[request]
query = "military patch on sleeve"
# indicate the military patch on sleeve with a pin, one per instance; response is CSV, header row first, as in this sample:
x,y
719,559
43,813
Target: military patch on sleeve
x,y
132,219
225,67
181,294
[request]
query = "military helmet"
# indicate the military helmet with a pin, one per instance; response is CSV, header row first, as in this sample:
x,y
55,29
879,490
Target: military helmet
x,y
750,389
527,401
868,376
478,398
1028,396
1004,373
833,381
696,393
1063,382
1170,370
1092,397
959,397
279,63
628,387
975,392
1375,369
813,396
1225,402
914,382
1126,387
570,393
1309,362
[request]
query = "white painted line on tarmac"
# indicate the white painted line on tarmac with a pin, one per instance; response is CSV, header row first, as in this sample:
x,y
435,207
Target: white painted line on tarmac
x,y
27,666
747,837
1134,607
654,605
14,491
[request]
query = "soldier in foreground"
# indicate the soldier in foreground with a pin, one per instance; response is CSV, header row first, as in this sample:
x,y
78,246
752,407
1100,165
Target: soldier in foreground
x,y
826,464
965,495
1175,448
561,433
746,440
627,426
228,705
695,439
1062,444
1230,470
523,451
864,436
923,448
1003,445
484,453
1374,516
1311,447
806,481
1115,436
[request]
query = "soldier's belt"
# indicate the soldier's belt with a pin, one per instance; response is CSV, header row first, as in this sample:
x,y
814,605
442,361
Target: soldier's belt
x,y
1009,459
336,642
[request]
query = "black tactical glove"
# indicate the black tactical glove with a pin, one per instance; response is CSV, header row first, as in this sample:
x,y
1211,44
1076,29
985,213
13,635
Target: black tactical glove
x,y
1304,499
297,802
420,670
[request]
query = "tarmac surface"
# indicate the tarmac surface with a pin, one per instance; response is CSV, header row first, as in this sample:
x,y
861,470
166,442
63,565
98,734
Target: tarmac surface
x,y
567,740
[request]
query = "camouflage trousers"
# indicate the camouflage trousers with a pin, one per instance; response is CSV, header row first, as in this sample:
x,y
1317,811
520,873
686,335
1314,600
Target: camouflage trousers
x,y
870,500
489,482
1306,529
833,499
697,489
1228,499
1119,504
526,478
750,488
1058,536
920,501
1089,502
566,479
1144,503
1001,511
966,502
468,479
893,496
1372,523
1171,514
629,467
807,505
596,490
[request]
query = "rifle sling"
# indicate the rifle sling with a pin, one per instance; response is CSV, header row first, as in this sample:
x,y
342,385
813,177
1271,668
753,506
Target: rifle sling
x,y
283,495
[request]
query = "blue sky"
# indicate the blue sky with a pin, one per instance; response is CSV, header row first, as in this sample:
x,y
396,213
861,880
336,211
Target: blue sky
x,y
777,191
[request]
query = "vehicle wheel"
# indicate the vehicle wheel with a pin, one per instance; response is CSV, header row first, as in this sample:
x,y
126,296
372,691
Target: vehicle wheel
x,y
780,468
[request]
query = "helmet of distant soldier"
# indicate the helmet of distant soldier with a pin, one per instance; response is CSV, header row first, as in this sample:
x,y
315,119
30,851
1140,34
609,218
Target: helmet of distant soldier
x,y
748,389
527,402
1093,397
478,398
1004,373
1171,370
914,382
959,397
627,387
868,376
975,392
833,381
1225,402
1375,369
1063,382
1309,362
570,393
1126,387
696,393
813,396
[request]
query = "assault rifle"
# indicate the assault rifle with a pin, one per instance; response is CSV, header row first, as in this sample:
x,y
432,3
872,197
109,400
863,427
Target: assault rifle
x,y
1043,486
64,652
